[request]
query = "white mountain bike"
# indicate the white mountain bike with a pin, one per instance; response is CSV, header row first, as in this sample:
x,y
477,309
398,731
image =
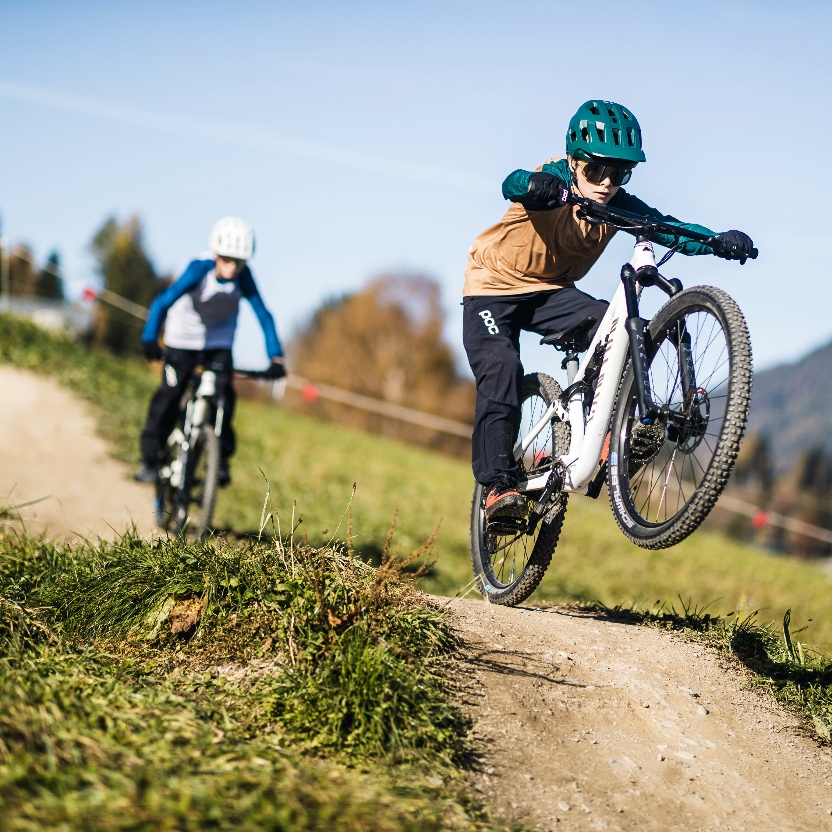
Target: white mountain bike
x,y
188,480
656,409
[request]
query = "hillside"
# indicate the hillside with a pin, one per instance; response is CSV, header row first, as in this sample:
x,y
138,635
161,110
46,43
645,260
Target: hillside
x,y
792,406
151,684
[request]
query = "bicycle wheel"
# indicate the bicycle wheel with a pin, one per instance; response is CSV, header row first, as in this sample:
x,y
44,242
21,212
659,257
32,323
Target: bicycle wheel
x,y
165,503
200,485
664,478
509,567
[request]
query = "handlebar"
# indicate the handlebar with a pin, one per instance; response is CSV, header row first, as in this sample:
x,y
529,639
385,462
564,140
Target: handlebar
x,y
646,225
258,375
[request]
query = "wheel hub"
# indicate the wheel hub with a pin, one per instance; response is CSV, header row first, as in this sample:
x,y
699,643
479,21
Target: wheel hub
x,y
687,429
645,443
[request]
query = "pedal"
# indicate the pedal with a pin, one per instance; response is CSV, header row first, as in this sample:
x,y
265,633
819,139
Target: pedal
x,y
503,526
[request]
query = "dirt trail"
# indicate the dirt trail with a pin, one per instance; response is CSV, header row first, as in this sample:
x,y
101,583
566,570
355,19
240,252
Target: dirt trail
x,y
49,448
588,724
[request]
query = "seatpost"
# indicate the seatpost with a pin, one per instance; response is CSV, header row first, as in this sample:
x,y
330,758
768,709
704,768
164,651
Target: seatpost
x,y
636,328
570,364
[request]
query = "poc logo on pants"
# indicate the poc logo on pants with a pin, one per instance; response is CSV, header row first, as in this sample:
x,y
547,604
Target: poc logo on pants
x,y
489,322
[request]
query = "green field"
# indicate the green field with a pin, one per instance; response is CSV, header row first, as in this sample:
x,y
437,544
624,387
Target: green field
x,y
314,464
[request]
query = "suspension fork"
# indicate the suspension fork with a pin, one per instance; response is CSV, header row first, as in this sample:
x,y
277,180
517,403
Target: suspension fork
x,y
680,338
636,330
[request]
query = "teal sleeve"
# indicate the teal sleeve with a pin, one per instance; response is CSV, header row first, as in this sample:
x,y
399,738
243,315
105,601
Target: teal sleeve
x,y
516,185
628,202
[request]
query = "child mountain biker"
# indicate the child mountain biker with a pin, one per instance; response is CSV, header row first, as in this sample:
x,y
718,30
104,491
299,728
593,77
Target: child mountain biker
x,y
521,275
199,312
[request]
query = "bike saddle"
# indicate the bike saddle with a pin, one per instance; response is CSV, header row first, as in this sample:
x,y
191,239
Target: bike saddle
x,y
574,339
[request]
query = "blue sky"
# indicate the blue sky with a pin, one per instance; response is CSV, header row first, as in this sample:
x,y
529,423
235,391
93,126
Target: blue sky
x,y
364,137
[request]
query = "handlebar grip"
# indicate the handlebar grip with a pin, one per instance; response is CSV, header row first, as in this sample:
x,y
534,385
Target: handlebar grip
x,y
719,247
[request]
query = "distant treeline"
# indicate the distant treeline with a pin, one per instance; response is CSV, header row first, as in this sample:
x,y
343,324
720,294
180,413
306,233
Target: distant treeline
x,y
28,281
802,492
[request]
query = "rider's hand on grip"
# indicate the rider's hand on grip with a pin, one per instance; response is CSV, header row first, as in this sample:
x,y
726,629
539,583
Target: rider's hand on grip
x,y
735,245
276,370
151,350
546,192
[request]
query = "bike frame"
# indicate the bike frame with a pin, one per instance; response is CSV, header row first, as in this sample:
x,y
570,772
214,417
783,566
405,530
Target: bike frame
x,y
590,430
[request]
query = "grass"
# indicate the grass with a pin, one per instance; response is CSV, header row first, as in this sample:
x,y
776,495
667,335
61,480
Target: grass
x,y
167,685
312,466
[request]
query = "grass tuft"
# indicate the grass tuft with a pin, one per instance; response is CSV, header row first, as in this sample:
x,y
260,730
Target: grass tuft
x,y
190,685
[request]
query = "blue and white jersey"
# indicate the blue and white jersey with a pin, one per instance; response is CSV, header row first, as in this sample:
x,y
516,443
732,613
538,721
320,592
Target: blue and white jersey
x,y
199,311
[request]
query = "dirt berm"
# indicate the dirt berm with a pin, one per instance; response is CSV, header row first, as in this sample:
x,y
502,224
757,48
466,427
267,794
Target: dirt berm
x,y
589,724
583,723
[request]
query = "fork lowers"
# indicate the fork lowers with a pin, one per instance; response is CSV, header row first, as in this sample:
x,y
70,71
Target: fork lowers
x,y
636,327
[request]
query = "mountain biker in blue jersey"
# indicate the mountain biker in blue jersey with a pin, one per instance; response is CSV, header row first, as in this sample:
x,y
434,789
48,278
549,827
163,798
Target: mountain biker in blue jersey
x,y
199,313
521,275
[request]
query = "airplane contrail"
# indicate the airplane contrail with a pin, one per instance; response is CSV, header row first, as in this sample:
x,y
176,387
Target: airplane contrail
x,y
245,137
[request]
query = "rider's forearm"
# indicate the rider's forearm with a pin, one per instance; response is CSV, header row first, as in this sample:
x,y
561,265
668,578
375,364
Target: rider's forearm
x,y
250,292
273,346
516,185
628,202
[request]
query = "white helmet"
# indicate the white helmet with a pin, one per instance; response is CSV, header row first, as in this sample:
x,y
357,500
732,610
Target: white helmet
x,y
232,237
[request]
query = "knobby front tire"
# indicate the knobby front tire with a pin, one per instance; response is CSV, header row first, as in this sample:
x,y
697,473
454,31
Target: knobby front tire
x,y
508,568
665,478
202,484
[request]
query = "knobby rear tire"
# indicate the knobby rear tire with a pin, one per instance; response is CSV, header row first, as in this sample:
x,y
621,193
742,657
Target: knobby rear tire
x,y
658,503
490,553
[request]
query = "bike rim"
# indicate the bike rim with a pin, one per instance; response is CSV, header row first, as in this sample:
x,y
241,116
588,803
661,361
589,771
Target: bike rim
x,y
665,473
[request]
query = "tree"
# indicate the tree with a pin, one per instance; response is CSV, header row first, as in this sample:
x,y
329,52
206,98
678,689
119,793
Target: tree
x,y
49,283
386,342
754,467
22,276
127,271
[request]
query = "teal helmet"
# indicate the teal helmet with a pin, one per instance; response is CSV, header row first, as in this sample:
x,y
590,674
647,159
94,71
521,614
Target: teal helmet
x,y
605,129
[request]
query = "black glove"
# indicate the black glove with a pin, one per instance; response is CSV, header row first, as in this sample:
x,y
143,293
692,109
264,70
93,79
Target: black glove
x,y
736,245
152,351
546,192
276,370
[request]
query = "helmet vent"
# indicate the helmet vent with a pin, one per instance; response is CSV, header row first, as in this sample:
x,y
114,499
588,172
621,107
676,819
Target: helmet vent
x,y
600,129
573,136
585,134
625,114
631,138
594,110
612,114
616,135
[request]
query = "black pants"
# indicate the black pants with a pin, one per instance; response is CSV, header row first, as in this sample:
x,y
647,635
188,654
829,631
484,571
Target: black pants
x,y
164,406
491,334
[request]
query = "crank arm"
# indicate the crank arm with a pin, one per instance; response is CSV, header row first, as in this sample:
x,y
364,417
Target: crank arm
x,y
554,483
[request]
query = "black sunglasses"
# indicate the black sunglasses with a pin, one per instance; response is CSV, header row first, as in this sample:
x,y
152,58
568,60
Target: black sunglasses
x,y
596,172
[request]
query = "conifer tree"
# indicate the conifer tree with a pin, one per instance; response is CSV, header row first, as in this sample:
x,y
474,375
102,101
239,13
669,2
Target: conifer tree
x,y
127,271
49,283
